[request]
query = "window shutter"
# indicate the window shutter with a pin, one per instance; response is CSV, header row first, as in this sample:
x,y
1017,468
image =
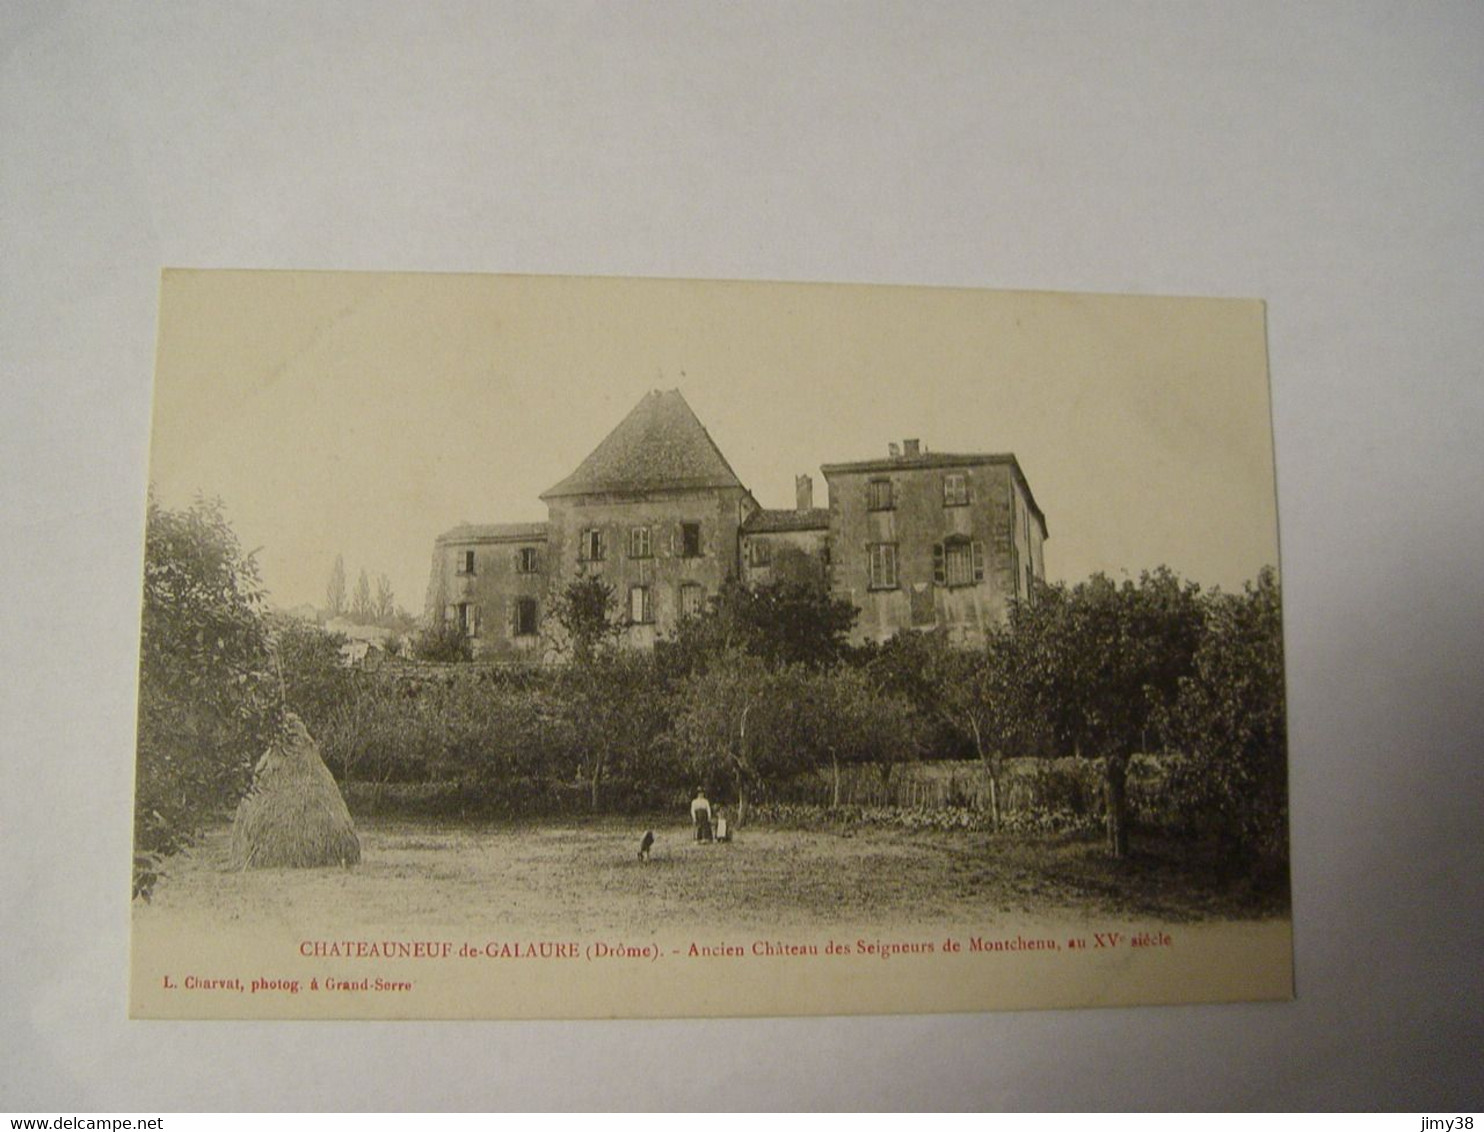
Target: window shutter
x,y
940,565
978,552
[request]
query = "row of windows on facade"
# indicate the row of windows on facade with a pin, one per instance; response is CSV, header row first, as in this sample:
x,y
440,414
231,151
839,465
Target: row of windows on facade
x,y
956,562
592,545
881,496
526,561
525,621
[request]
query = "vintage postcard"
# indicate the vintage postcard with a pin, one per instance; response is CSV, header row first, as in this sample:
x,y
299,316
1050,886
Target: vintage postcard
x,y
542,647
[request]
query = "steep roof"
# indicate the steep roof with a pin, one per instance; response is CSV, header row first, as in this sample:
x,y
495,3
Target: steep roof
x,y
774,522
659,445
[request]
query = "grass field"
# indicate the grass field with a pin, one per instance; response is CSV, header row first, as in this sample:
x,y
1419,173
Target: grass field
x,y
585,877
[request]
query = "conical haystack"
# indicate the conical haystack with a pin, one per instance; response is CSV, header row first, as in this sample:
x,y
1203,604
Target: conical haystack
x,y
294,816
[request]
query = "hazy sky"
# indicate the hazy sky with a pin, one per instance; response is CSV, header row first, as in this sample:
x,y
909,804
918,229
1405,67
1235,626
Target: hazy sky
x,y
362,414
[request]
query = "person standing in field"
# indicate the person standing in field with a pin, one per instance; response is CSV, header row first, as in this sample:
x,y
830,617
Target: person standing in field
x,y
700,815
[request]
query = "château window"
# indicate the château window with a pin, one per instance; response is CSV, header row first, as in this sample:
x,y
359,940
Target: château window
x,y
639,542
590,546
525,617
955,489
878,495
692,600
640,610
958,562
466,562
759,552
526,561
690,540
468,618
883,566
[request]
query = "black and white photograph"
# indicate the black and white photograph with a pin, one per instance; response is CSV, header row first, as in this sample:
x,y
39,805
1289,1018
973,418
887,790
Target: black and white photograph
x,y
517,646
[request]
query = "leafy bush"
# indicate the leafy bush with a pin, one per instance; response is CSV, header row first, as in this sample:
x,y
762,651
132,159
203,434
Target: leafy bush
x,y
315,679
443,641
1229,724
374,735
207,697
505,746
1065,786
948,819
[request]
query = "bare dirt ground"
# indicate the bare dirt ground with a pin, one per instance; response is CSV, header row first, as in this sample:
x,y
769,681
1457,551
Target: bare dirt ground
x,y
585,877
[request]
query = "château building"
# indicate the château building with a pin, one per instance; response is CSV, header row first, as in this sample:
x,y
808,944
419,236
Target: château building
x,y
917,540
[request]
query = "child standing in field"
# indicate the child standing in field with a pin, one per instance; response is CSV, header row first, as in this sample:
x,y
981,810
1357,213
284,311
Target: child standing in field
x,y
722,833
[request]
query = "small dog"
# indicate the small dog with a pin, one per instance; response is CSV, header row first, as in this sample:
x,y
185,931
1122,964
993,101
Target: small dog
x,y
646,845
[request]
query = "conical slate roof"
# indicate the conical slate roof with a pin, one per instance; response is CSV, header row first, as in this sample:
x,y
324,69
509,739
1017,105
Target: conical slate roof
x,y
659,445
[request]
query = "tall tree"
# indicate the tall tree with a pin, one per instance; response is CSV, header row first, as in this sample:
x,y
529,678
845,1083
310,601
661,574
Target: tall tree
x,y
361,608
335,591
730,723
207,692
386,605
1098,663
308,662
843,717
586,613
972,694
1228,731
781,623
616,720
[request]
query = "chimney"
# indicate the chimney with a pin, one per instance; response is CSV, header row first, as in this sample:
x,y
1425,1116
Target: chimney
x,y
803,493
912,448
893,449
